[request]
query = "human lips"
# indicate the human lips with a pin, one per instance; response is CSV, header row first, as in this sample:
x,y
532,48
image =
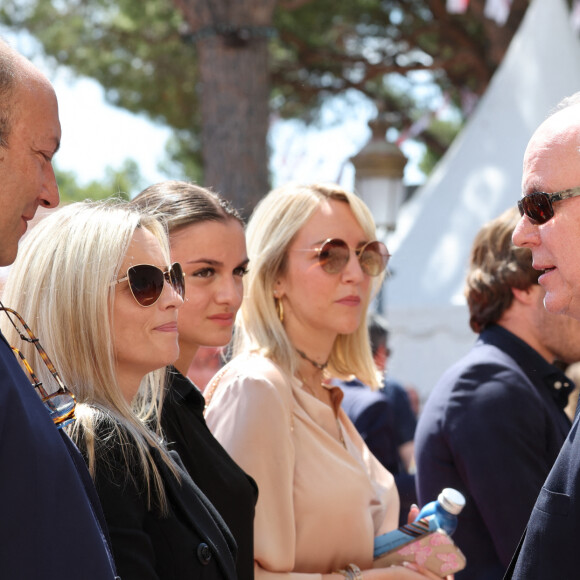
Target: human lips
x,y
545,274
351,300
25,220
223,318
544,268
167,327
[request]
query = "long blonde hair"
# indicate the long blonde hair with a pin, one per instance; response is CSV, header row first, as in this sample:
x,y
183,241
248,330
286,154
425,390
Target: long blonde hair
x,y
273,225
60,283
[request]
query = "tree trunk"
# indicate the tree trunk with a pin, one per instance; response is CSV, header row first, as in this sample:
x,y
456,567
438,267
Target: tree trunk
x,y
234,93
232,42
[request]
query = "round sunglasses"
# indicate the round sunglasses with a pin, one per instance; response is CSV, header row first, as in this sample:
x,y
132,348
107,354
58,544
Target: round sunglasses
x,y
146,282
334,254
538,205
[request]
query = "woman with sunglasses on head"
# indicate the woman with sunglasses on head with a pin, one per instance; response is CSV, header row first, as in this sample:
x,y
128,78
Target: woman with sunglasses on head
x,y
206,235
104,300
323,497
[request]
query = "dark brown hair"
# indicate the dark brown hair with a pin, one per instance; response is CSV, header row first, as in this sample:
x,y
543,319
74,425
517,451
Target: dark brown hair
x,y
495,267
181,203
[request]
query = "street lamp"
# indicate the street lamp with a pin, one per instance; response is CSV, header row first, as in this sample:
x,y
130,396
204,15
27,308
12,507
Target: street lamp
x,y
379,168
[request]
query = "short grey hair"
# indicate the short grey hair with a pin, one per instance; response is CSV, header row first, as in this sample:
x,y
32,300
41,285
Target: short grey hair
x,y
565,103
8,82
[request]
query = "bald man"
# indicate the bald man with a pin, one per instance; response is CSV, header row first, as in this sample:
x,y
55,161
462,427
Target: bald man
x,y
51,525
550,227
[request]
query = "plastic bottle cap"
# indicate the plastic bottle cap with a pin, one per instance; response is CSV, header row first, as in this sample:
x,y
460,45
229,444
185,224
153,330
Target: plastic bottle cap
x,y
451,500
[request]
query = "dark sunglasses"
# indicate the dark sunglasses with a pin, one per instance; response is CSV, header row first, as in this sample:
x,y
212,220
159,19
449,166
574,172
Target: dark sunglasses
x,y
60,404
146,282
538,205
334,254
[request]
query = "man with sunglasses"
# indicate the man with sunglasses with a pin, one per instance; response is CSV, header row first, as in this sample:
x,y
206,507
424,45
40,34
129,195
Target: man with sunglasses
x,y
493,425
51,525
550,227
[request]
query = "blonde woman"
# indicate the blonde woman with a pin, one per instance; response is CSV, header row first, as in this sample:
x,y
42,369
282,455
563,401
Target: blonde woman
x,y
104,298
315,263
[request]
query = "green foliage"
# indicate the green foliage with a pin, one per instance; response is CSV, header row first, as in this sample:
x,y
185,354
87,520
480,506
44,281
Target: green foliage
x,y
180,163
401,54
133,49
125,182
445,132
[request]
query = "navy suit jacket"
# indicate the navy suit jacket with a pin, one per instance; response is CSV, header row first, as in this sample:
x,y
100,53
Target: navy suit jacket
x,y
49,524
548,548
492,428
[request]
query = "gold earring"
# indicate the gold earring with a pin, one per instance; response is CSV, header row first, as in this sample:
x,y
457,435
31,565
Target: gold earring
x,y
279,307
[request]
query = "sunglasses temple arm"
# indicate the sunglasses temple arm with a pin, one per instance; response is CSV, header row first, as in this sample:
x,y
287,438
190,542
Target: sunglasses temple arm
x,y
35,341
44,356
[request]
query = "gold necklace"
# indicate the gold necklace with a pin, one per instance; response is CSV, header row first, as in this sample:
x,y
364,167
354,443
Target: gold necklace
x,y
310,389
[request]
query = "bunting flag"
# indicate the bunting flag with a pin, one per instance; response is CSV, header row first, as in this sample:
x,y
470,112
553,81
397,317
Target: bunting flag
x,y
422,122
457,6
576,15
416,128
498,10
468,101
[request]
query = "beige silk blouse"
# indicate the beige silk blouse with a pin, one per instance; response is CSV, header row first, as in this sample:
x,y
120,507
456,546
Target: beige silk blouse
x,y
320,504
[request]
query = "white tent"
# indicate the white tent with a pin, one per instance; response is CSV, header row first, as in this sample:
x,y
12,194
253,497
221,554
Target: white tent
x,y
477,179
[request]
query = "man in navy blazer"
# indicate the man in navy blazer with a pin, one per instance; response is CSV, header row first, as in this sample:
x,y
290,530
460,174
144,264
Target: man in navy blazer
x,y
493,425
550,228
51,524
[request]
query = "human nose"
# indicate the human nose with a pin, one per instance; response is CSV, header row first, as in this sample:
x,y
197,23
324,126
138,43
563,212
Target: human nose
x,y
525,234
352,271
170,297
230,292
49,196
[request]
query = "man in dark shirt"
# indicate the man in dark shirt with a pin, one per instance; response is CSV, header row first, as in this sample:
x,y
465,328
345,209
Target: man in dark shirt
x,y
493,425
51,525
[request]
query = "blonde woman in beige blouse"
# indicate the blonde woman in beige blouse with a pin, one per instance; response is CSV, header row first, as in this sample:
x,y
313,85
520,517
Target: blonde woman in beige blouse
x,y
323,497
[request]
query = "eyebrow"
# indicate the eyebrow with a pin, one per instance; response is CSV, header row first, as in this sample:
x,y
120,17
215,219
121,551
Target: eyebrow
x,y
534,186
56,146
318,245
215,262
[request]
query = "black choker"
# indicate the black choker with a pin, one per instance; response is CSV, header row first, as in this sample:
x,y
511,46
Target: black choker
x,y
319,366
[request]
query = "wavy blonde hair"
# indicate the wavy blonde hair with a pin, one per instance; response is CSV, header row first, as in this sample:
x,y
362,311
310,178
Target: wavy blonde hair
x,y
272,227
60,283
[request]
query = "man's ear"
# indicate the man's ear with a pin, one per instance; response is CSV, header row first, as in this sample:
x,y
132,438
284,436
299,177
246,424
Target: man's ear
x,y
524,296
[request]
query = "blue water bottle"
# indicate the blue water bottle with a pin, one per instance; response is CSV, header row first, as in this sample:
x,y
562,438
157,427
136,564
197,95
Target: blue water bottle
x,y
445,508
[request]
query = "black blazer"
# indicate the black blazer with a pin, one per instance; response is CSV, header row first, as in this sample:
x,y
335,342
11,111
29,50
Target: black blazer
x,y
232,491
49,525
190,541
548,548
